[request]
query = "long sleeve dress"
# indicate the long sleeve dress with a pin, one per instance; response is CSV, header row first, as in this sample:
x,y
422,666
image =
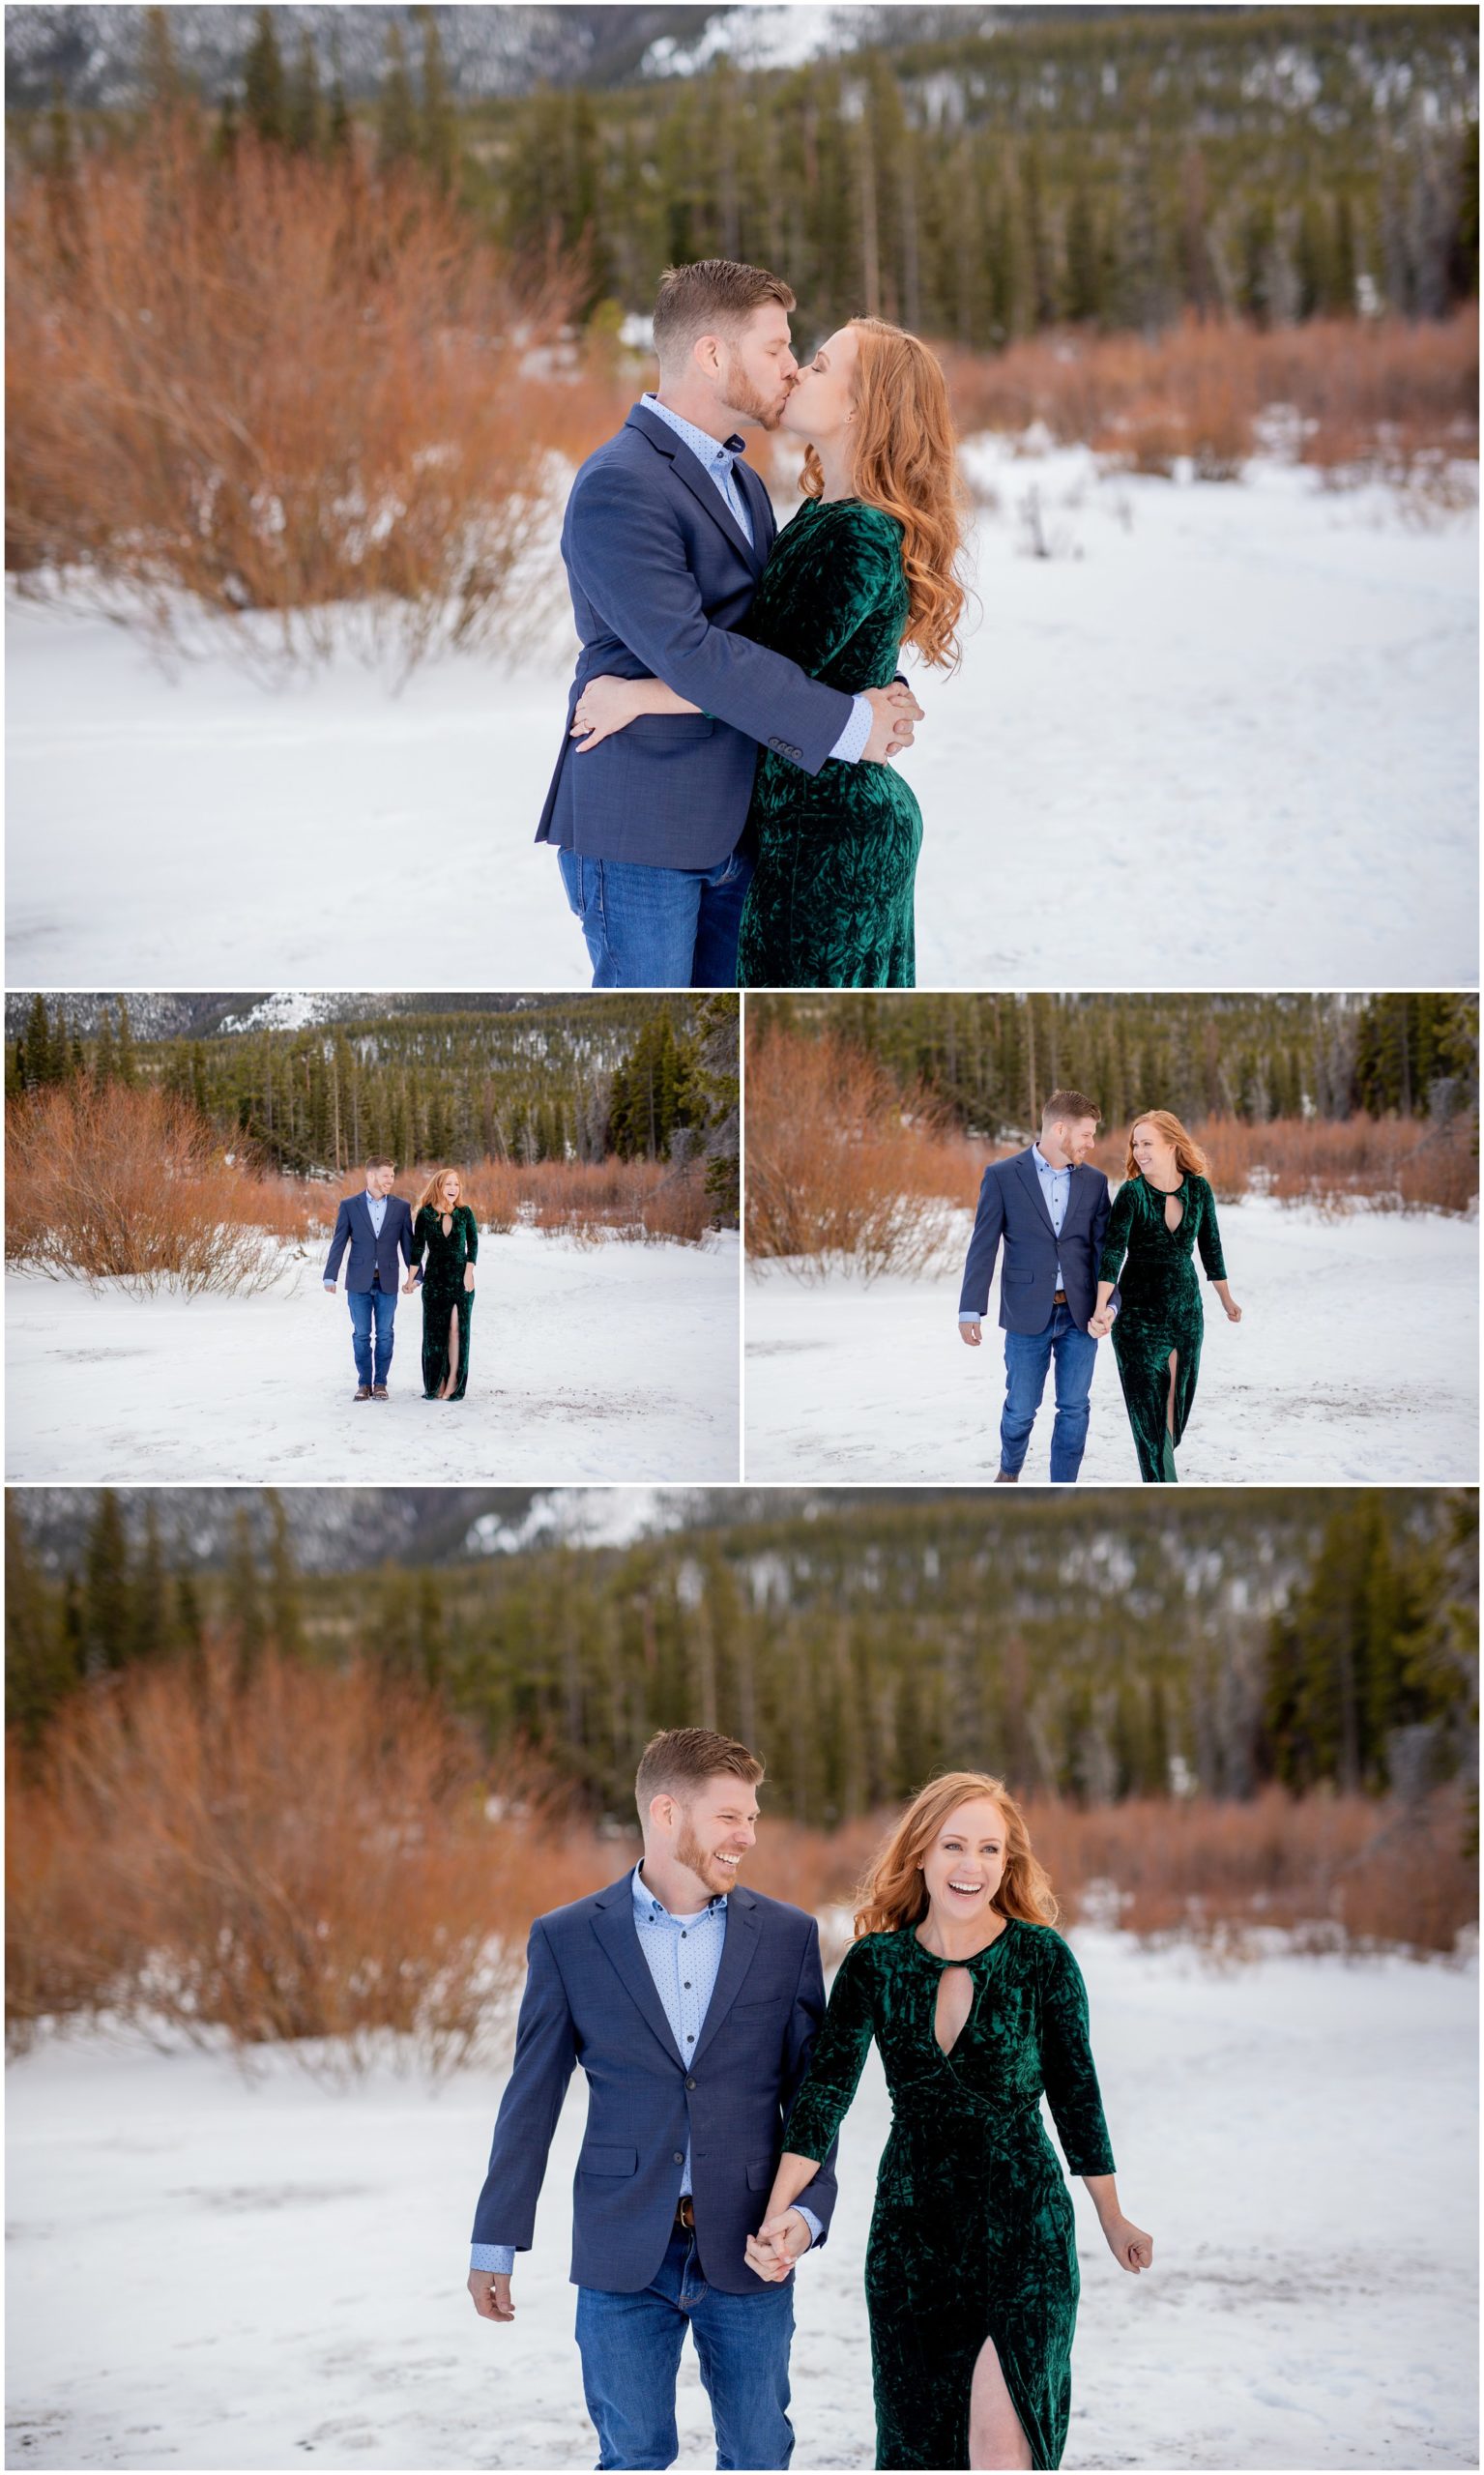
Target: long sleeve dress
x,y
830,905
1160,1310
973,2235
444,1293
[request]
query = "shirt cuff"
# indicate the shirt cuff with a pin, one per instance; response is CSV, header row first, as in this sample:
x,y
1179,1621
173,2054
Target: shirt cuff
x,y
970,1319
816,2230
853,737
497,2257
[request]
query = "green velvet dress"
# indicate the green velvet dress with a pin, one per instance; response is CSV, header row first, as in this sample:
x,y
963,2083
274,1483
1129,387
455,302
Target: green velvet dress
x,y
1160,1309
443,1292
973,2235
830,905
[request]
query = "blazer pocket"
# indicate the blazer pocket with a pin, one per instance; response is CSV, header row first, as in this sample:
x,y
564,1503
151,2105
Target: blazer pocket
x,y
609,2161
1013,1275
776,2004
760,2176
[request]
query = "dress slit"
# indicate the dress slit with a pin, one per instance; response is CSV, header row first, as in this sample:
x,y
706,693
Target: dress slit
x,y
991,2348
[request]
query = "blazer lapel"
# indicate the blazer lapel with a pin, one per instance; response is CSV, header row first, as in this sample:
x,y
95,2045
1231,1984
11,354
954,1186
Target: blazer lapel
x,y
1031,1176
737,1957
699,483
615,1927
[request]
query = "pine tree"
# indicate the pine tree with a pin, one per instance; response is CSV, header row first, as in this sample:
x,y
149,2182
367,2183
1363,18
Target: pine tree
x,y
286,1612
108,1612
264,95
304,110
244,1600
398,116
440,123
160,74
40,1669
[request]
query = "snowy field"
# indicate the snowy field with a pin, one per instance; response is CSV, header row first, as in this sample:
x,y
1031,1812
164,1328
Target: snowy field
x,y
607,1362
1355,1362
1224,736
208,2275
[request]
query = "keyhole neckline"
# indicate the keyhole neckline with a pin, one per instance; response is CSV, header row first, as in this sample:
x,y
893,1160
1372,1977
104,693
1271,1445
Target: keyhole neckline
x,y
981,1953
446,1218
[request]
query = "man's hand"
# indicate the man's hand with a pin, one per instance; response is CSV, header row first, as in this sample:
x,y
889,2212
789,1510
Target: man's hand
x,y
972,1333
329,1286
896,711
491,2295
1100,1325
776,2245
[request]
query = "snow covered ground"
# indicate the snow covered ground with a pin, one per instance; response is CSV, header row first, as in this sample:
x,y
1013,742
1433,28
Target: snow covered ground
x,y
1355,1362
1223,738
608,1362
210,2275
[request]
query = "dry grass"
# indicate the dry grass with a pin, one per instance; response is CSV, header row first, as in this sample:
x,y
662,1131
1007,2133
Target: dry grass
x,y
1326,1870
282,387
107,1182
841,1167
589,1199
1350,397
297,1856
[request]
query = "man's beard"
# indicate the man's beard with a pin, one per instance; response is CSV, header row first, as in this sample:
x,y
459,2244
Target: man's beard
x,y
744,398
689,1853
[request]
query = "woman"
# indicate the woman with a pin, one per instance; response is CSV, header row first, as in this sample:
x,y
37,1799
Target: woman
x,y
867,565
1164,1210
445,1230
977,2006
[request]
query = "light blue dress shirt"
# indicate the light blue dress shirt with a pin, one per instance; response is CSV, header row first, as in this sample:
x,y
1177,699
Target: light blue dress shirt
x,y
683,1954
1056,1186
376,1206
719,459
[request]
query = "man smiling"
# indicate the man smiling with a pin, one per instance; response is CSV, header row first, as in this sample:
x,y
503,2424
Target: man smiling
x,y
693,2005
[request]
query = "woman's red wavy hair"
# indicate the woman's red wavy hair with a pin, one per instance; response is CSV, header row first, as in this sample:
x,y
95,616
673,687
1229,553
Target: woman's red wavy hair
x,y
907,463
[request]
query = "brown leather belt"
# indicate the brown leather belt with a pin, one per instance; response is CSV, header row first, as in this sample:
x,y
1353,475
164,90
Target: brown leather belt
x,y
1059,1298
685,2215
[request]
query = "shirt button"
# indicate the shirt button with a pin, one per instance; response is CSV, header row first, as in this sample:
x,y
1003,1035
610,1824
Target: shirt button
x,y
688,1985
690,2041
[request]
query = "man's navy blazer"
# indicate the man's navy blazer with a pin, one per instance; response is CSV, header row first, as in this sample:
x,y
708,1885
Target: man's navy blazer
x,y
661,575
1013,1208
589,1999
370,1253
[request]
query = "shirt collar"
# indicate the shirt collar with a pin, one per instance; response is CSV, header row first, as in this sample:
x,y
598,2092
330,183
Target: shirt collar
x,y
709,449
647,1906
1043,1163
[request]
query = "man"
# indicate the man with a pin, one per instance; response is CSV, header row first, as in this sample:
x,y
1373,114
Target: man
x,y
377,1228
693,2005
665,537
1051,1209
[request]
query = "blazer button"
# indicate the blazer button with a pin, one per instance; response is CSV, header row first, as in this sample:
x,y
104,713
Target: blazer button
x,y
691,2083
678,2156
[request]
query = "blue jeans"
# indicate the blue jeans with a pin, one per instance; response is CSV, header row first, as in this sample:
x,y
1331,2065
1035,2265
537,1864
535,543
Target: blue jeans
x,y
631,2347
1026,1356
658,927
371,1307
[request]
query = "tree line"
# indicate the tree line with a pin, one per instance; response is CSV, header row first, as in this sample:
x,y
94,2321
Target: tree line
x,y
990,1059
629,1075
1314,1638
1272,164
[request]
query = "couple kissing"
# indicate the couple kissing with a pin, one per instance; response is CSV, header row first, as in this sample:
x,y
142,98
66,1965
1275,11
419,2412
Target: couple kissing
x,y
717,2081
724,807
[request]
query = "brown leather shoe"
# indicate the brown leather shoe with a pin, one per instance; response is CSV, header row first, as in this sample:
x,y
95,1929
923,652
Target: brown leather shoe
x,y
363,1392
378,1392
1007,1477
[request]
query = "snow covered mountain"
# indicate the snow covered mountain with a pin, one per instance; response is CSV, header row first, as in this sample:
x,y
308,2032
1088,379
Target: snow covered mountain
x,y
162,1014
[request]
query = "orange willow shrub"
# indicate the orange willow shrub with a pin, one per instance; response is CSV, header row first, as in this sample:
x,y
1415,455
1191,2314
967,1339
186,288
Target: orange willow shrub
x,y
291,1856
1321,1868
841,1166
281,385
593,1199
1400,1164
103,1182
1372,392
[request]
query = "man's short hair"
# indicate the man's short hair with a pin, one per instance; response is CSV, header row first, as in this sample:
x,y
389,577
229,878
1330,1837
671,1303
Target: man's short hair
x,y
1068,1107
717,296
681,1760
381,1160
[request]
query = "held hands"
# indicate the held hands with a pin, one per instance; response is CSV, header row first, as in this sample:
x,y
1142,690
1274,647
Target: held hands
x,y
491,2295
409,1283
1131,2248
897,713
776,2245
1100,1326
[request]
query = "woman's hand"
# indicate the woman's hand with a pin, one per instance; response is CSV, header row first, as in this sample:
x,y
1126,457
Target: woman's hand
x,y
1131,2248
409,1283
469,1277
1233,1310
607,705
